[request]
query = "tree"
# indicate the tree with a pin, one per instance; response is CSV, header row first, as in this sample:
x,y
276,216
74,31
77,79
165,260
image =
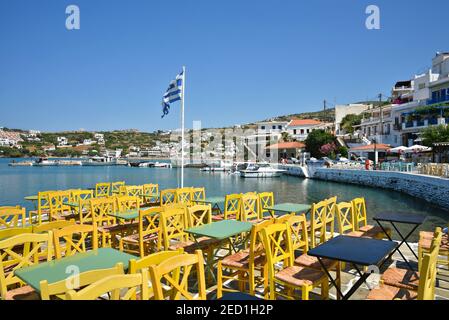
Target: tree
x,y
434,134
316,139
349,121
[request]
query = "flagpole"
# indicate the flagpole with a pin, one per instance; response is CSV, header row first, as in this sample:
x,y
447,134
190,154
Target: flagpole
x,y
182,123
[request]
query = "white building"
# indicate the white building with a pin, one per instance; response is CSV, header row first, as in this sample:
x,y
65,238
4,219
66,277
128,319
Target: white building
x,y
300,128
342,111
62,141
100,138
417,104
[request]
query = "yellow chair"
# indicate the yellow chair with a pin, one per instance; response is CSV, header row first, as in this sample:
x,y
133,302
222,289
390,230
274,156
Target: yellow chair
x,y
424,246
361,221
12,260
157,258
82,199
168,196
150,194
199,214
317,213
250,208
102,190
345,218
128,203
266,199
11,232
408,279
99,216
232,207
174,273
119,287
329,220
75,239
174,221
59,289
184,196
243,265
12,217
59,210
198,194
132,191
426,282
149,237
115,187
43,208
277,241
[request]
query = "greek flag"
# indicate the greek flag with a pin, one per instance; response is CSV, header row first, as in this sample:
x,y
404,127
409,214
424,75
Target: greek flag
x,y
173,93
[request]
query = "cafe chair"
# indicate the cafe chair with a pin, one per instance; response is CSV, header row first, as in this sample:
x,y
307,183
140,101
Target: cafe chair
x,y
11,232
75,239
102,190
242,266
115,187
232,208
425,245
198,195
132,191
58,290
173,274
250,208
318,213
128,203
174,221
426,282
329,220
41,214
59,208
277,239
184,196
168,197
11,287
266,199
361,221
157,258
406,278
12,217
149,237
151,194
117,287
345,218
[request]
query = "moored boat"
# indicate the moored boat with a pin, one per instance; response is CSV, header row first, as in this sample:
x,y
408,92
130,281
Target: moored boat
x,y
260,170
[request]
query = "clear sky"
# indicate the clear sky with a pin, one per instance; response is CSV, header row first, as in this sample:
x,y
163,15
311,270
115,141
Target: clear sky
x,y
246,60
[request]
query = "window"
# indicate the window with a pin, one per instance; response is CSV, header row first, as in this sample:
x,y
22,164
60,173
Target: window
x,y
421,86
294,131
279,127
274,127
302,131
262,127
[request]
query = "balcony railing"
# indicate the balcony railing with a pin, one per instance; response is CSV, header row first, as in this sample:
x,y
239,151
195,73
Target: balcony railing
x,y
438,100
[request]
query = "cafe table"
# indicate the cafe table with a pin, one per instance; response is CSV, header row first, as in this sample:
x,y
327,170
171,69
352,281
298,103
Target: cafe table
x,y
125,216
34,199
222,231
287,208
57,270
365,252
214,202
393,218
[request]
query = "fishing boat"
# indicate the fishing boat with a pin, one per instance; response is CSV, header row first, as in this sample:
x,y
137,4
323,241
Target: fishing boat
x,y
104,161
261,170
21,164
44,162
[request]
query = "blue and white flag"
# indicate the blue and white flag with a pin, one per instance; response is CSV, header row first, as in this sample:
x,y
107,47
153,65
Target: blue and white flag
x,y
173,93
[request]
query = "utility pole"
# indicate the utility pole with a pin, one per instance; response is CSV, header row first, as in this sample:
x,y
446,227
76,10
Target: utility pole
x,y
325,113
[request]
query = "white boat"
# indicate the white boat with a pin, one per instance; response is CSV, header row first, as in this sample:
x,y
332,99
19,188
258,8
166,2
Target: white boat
x,y
44,162
260,170
162,165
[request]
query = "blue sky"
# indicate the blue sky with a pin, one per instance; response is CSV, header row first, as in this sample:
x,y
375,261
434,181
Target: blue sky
x,y
246,60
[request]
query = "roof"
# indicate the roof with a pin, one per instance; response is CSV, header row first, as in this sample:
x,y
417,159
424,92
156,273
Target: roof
x,y
287,145
303,122
370,147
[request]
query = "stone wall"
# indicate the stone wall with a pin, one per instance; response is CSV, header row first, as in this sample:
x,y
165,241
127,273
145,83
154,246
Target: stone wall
x,y
432,189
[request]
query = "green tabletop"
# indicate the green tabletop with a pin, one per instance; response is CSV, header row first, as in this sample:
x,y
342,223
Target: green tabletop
x,y
71,204
56,270
221,230
212,200
290,207
31,198
125,215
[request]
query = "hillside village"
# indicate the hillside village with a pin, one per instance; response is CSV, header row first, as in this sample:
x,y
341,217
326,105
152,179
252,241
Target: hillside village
x,y
415,105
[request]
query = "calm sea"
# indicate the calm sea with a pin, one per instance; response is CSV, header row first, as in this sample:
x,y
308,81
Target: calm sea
x,y
18,182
